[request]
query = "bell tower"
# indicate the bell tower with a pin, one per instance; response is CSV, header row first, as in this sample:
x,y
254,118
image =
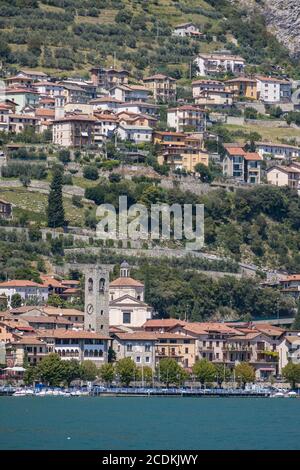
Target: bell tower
x,y
96,305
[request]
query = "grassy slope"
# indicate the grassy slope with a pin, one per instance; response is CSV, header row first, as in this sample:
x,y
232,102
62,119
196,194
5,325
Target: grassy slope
x,y
34,204
164,10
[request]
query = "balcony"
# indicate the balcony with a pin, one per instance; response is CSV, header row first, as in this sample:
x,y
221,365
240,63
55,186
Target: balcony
x,y
231,348
206,348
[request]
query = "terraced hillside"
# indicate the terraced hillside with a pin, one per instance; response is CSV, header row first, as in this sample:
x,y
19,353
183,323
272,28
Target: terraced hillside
x,y
69,36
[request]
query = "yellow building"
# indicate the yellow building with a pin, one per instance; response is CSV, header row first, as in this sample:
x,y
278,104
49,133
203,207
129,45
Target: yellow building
x,y
176,346
243,86
162,87
180,151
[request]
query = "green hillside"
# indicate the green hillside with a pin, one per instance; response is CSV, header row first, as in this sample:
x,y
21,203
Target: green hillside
x,y
69,36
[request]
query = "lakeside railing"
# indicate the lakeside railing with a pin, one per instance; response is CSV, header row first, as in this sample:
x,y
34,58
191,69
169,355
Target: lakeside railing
x,y
176,391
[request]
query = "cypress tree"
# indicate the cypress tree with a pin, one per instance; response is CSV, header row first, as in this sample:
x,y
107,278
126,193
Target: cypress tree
x,y
55,210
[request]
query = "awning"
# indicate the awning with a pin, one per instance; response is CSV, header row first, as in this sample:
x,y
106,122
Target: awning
x,y
15,369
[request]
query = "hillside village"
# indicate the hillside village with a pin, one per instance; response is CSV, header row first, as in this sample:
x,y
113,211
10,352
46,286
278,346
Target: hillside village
x,y
228,137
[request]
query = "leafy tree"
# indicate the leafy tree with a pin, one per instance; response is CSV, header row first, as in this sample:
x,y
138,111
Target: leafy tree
x,y
291,372
88,371
55,209
204,172
244,373
30,375
127,370
222,374
107,373
50,370
16,301
204,371
145,374
111,355
64,156
169,371
71,370
250,113
90,172
54,300
296,324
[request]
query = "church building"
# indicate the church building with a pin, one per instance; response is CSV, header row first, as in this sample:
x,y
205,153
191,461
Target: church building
x,y
127,307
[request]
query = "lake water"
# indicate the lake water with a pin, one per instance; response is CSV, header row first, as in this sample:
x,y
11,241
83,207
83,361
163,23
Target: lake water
x,y
158,423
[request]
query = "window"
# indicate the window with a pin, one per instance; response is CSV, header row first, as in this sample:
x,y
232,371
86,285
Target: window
x,y
126,317
147,347
138,359
186,350
90,285
129,347
101,284
147,359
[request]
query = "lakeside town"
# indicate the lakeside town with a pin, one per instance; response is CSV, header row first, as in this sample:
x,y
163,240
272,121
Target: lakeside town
x,y
111,128
117,333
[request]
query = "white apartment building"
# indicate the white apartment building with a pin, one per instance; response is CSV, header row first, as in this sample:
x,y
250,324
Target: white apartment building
x,y
273,90
186,30
219,62
74,130
277,151
26,289
130,93
199,86
138,346
187,116
284,176
48,88
137,134
138,107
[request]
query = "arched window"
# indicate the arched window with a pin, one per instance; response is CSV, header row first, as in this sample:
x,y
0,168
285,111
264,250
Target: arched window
x,y
72,352
90,285
101,284
95,353
100,353
91,353
63,353
86,353
76,352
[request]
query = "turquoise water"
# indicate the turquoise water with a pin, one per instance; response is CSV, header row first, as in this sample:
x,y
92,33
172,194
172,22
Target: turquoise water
x,y
149,423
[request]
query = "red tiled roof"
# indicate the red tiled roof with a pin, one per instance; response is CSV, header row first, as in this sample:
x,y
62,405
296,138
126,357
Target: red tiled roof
x,y
42,319
20,283
291,277
136,336
66,282
163,323
252,156
61,334
236,151
50,281
159,76
126,282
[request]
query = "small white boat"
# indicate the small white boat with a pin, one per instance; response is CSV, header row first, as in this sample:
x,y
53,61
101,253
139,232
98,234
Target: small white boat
x,y
19,393
29,392
42,393
291,395
76,393
278,395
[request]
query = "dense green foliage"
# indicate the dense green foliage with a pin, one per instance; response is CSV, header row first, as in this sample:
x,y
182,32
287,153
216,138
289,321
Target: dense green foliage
x,y
291,372
55,210
188,294
73,34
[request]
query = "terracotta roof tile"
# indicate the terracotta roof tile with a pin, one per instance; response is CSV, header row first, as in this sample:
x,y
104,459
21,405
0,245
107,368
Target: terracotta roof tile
x,y
126,282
